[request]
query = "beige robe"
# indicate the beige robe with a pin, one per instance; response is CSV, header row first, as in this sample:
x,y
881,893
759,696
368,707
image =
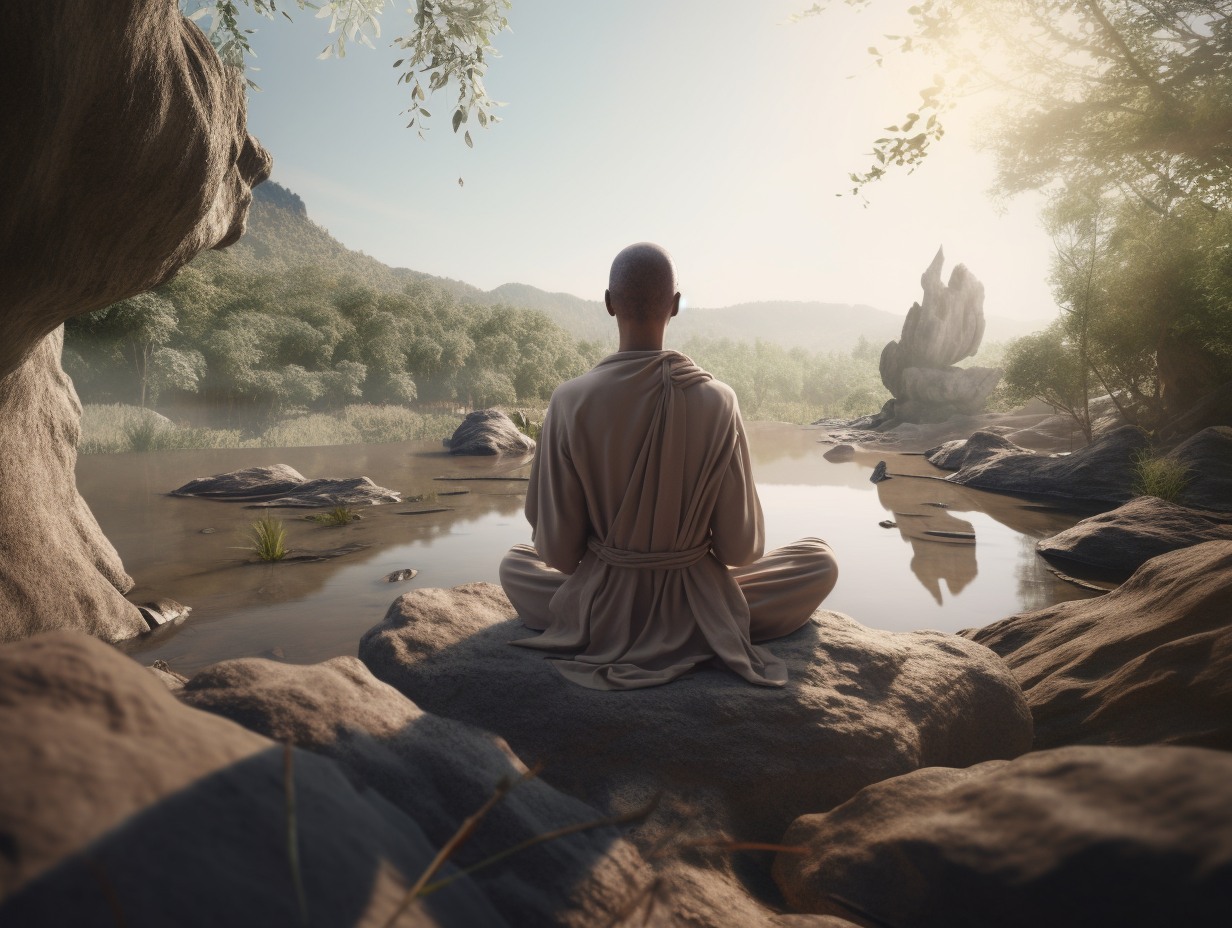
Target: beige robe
x,y
641,492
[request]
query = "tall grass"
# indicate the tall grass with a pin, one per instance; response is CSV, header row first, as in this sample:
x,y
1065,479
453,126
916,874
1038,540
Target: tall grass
x,y
1162,478
339,515
269,539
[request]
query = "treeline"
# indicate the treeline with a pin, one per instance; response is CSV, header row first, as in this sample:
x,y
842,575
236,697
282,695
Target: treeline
x,y
255,343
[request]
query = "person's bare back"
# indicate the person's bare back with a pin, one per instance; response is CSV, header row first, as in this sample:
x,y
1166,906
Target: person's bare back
x,y
641,498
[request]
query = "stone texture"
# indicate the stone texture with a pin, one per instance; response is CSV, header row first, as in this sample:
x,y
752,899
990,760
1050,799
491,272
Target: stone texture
x,y
1149,663
489,431
947,326
1103,470
282,486
1208,456
121,806
951,455
1214,409
1129,536
437,771
860,705
141,162
1068,838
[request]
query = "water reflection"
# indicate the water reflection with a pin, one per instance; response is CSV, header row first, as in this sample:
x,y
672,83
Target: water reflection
x,y
900,578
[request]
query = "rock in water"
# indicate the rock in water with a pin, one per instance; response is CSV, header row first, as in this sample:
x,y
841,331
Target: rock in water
x,y
281,486
945,328
982,445
161,611
143,163
841,452
1127,537
879,473
489,431
175,810
1103,470
860,705
406,573
1149,663
1069,838
1208,458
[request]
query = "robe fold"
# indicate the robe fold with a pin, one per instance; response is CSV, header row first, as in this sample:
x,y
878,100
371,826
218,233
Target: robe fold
x,y
641,493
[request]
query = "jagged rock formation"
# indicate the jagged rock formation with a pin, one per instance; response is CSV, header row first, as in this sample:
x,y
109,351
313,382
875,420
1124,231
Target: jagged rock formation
x,y
489,431
1149,663
1069,838
860,705
947,326
281,486
142,162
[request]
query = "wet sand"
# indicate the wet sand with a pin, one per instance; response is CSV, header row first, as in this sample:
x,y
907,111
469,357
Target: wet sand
x,y
900,578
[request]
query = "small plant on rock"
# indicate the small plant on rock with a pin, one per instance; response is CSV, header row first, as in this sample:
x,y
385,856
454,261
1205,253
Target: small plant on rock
x,y
269,539
1163,478
339,515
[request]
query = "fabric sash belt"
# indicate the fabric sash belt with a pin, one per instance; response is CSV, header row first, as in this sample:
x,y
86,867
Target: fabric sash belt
x,y
649,560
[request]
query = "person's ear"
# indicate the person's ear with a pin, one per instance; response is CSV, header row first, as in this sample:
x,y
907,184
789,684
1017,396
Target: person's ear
x,y
607,301
675,306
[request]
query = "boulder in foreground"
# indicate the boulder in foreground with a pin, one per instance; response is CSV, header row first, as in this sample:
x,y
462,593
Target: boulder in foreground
x,y
489,431
122,806
860,705
1129,536
1069,838
1149,663
281,486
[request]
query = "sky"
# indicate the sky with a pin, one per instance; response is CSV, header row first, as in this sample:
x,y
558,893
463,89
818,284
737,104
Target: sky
x,y
715,128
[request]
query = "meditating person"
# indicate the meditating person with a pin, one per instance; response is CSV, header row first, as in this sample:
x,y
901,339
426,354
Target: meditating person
x,y
647,530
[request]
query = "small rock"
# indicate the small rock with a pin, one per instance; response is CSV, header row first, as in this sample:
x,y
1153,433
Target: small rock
x,y
406,573
489,431
843,452
937,505
207,531
274,653
161,611
886,523
879,473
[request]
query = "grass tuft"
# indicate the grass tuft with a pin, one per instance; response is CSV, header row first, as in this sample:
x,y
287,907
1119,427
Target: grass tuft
x,y
339,515
269,539
1162,478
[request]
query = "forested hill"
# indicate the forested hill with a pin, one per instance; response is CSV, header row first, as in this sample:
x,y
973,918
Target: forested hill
x,y
280,230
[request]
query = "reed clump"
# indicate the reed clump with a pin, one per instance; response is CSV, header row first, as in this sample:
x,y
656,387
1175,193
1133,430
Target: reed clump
x,y
269,539
339,515
1162,478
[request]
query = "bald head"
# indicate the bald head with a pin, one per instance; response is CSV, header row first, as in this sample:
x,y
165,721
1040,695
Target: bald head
x,y
642,284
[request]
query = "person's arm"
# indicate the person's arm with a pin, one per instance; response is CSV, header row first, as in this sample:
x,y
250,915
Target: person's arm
x,y
738,532
556,502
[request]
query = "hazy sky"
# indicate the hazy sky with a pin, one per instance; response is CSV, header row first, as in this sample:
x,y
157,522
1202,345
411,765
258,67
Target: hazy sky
x,y
712,128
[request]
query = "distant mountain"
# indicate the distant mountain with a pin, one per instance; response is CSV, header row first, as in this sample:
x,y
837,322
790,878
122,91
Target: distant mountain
x,y
280,231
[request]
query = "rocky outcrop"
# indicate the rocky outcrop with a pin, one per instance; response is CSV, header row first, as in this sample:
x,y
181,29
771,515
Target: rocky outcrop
x,y
281,486
1068,838
981,446
946,327
1129,536
142,162
437,771
860,705
1149,663
121,805
1207,457
489,431
1214,409
1102,471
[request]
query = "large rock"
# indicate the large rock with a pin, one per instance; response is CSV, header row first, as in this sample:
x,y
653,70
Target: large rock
x,y
860,705
1208,458
981,446
1102,471
141,162
1070,837
1149,663
938,333
1129,536
122,806
489,431
1214,409
282,486
437,771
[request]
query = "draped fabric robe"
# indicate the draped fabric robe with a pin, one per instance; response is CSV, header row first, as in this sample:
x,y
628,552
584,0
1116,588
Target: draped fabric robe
x,y
642,491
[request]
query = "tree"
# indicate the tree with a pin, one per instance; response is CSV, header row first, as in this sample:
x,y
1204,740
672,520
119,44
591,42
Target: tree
x,y
1048,366
452,42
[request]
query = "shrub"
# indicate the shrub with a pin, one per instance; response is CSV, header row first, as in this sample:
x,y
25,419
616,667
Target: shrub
x,y
1159,477
269,539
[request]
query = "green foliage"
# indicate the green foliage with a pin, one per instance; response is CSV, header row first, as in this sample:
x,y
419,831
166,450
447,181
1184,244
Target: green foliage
x,y
1160,477
269,539
1048,366
526,425
339,515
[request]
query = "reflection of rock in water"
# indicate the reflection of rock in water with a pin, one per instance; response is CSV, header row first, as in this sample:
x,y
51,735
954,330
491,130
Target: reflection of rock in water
x,y
933,558
1035,582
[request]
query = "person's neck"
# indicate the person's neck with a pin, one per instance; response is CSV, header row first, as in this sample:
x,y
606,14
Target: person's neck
x,y
643,337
